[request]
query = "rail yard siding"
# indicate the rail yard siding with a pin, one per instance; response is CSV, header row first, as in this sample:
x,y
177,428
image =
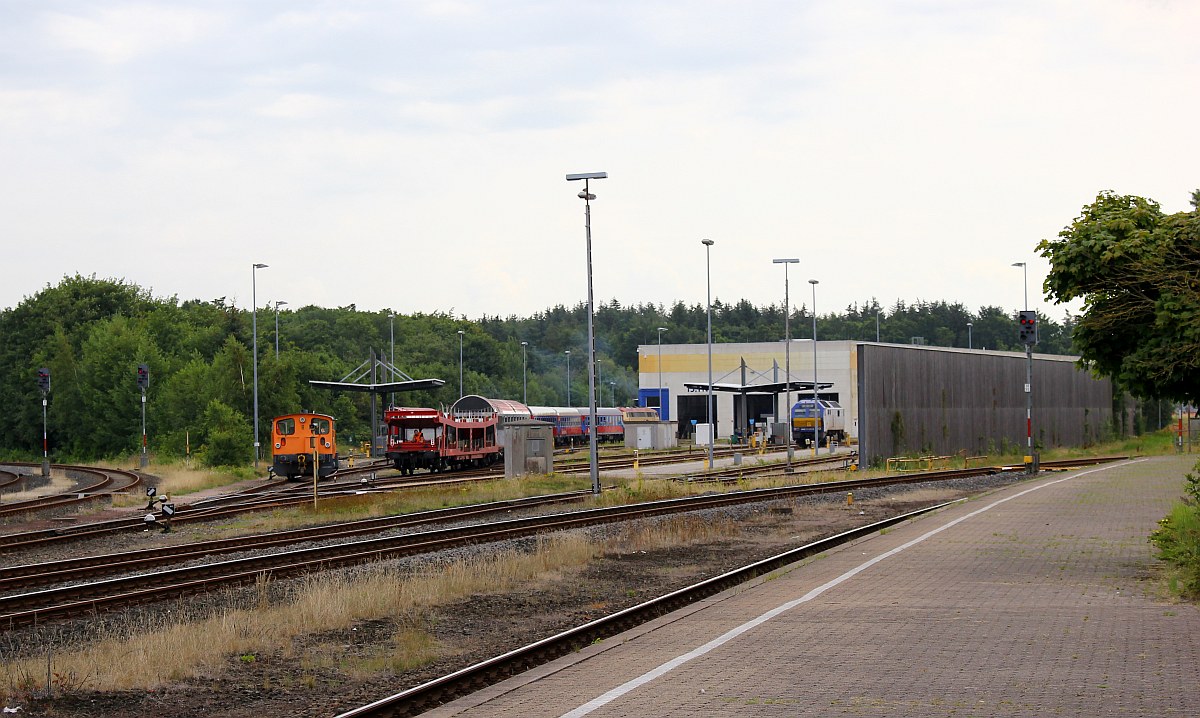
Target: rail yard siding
x,y
942,401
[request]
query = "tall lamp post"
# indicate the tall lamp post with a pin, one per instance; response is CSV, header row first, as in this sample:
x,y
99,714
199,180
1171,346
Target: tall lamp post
x,y
460,364
708,243
1025,270
392,354
787,355
661,415
254,332
278,303
568,353
970,344
587,198
1029,463
816,403
524,381
613,384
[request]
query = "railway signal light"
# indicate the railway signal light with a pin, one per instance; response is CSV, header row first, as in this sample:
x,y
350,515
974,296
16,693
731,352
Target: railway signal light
x,y
143,376
44,379
1028,327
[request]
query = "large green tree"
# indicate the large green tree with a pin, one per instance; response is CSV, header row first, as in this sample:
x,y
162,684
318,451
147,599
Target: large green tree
x,y
1137,270
92,333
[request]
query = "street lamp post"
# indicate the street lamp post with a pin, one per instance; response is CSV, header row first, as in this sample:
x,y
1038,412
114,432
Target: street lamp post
x,y
1025,270
524,382
392,354
278,303
816,403
661,415
460,364
254,332
970,344
613,384
587,198
787,355
568,353
708,243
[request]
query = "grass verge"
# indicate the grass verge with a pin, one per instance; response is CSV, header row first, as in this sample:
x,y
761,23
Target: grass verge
x,y
181,648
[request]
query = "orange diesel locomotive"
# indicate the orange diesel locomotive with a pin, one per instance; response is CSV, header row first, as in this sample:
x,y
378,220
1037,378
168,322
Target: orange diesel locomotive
x,y
294,439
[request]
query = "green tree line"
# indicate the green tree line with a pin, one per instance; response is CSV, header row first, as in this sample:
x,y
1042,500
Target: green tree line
x,y
92,333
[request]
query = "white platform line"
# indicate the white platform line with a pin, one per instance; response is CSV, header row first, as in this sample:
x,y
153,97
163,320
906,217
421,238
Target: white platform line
x,y
721,640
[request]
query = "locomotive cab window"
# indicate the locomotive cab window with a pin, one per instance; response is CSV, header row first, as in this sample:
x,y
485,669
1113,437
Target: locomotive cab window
x,y
285,427
320,426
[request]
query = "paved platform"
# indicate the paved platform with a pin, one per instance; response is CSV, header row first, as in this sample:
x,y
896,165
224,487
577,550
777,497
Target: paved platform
x,y
1039,599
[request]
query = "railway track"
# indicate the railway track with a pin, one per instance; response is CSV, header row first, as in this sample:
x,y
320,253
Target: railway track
x,y
74,600
93,484
13,578
281,493
272,494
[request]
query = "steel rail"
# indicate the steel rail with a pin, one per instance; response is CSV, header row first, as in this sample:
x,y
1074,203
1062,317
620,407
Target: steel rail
x,y
71,569
102,487
102,595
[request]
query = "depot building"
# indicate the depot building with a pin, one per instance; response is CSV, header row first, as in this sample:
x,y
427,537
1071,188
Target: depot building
x,y
897,399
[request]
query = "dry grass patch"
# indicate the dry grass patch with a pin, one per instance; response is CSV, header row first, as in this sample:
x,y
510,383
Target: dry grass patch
x,y
188,649
406,501
176,479
675,531
181,649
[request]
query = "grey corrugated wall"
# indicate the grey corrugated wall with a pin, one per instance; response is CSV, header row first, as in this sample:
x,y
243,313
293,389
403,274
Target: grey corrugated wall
x,y
941,401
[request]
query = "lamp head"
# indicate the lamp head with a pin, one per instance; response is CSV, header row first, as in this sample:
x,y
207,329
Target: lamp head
x,y
586,196
260,266
785,261
813,281
524,344
706,242
1018,264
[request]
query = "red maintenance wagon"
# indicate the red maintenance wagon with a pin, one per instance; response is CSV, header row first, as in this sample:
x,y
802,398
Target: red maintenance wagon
x,y
421,438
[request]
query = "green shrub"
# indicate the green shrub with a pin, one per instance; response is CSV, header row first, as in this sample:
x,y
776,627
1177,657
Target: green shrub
x,y
1178,538
228,438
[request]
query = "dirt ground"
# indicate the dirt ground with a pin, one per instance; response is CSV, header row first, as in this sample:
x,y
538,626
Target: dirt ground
x,y
331,673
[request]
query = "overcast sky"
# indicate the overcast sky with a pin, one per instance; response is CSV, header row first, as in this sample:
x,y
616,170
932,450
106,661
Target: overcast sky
x,y
411,155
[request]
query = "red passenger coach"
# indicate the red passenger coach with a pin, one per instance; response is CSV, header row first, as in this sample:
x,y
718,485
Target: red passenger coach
x,y
610,425
568,422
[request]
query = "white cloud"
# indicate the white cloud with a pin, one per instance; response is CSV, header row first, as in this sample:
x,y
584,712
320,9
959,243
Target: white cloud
x,y
297,106
902,150
124,33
